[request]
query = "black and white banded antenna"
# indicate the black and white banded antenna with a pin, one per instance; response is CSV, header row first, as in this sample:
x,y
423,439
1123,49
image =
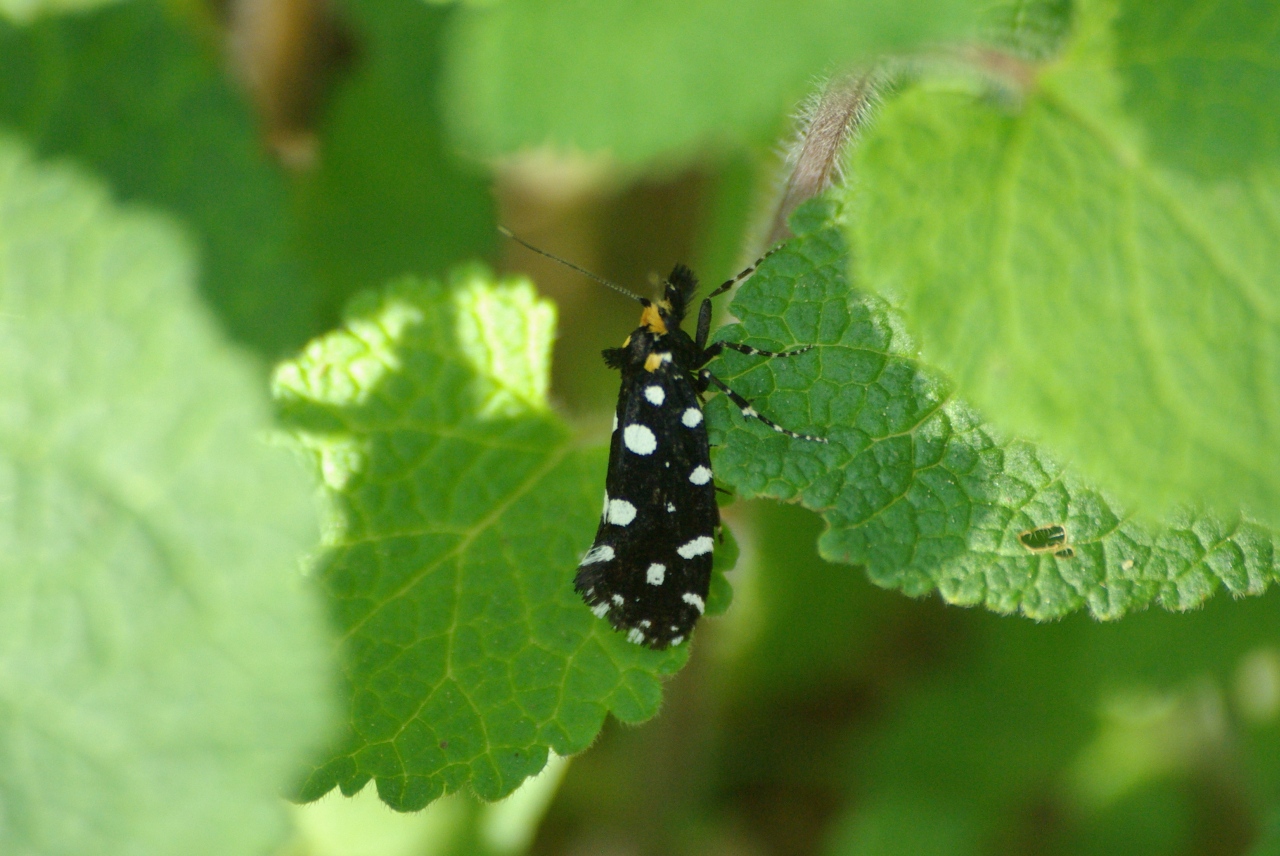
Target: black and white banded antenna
x,y
522,242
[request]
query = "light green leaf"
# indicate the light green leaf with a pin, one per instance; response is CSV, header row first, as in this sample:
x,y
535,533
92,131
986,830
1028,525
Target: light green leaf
x,y
460,508
1202,79
162,665
913,485
24,11
661,79
1079,292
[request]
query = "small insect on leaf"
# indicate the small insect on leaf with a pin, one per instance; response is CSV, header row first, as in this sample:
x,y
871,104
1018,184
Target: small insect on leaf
x,y
1044,539
1048,539
649,570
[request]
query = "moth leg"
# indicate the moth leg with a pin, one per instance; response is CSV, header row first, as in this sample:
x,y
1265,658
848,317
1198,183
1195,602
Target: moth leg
x,y
704,325
743,274
713,350
747,410
704,311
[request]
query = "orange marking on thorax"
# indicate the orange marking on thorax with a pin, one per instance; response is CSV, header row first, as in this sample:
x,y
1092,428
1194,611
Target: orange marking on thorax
x,y
652,362
652,319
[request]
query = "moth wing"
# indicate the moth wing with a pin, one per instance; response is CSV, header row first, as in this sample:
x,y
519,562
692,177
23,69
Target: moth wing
x,y
649,569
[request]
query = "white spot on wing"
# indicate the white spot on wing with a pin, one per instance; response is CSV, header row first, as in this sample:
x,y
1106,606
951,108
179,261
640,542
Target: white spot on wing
x,y
655,395
671,506
634,636
620,512
615,422
600,610
696,547
676,640
656,574
639,439
604,512
619,599
691,417
700,475
599,553
694,601
749,411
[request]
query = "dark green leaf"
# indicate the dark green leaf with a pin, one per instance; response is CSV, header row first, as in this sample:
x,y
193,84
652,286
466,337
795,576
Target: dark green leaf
x,y
1203,80
913,485
388,198
126,91
1109,728
1028,29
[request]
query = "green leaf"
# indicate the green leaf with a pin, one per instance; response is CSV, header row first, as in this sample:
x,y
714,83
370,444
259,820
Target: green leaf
x,y
1202,81
127,91
1027,29
912,484
814,623
24,11
1084,721
1268,841
1079,292
162,664
661,79
460,508
388,197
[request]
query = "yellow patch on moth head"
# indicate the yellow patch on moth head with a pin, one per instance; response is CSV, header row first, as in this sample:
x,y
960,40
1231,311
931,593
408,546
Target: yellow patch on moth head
x,y
626,342
652,319
652,361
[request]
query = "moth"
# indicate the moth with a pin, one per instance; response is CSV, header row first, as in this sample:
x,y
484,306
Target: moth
x,y
649,570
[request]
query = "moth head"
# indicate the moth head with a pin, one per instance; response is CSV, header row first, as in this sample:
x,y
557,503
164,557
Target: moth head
x,y
654,316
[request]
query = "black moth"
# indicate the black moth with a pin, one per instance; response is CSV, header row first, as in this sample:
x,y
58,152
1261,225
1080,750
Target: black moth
x,y
649,570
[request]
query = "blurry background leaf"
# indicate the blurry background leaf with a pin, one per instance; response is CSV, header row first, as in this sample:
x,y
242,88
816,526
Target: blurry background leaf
x,y
1098,737
130,92
460,508
162,663
388,197
1027,29
1078,291
646,81
1202,81
23,11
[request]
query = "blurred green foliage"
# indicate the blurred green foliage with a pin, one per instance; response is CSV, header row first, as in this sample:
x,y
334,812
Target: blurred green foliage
x,y
1068,213
163,666
1096,266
